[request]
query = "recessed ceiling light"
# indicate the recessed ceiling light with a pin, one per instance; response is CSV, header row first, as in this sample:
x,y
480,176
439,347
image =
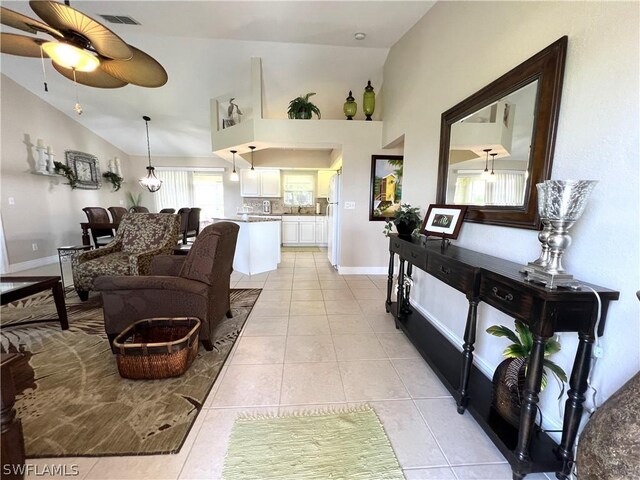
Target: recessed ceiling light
x,y
360,35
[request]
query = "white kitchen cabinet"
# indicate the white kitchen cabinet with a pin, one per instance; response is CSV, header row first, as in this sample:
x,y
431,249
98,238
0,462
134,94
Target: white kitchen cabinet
x,y
270,183
323,182
321,230
307,232
304,230
249,183
290,232
259,183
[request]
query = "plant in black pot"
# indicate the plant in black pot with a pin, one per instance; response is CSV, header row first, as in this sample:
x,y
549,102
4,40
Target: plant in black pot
x,y
406,220
510,375
302,108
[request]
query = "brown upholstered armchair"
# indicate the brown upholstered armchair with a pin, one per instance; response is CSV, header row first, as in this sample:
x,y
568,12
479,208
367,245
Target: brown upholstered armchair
x,y
140,237
195,285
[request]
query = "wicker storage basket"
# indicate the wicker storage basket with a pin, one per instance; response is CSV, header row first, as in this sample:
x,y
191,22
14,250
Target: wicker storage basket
x,y
157,347
508,387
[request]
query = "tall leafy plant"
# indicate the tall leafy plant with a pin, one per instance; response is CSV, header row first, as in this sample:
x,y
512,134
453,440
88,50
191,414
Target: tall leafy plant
x,y
521,348
407,215
134,200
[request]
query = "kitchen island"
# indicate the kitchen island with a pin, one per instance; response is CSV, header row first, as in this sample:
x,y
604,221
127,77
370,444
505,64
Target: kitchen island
x,y
258,247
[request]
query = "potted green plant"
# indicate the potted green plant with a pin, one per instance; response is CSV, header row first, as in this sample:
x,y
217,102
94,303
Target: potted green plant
x,y
510,375
115,179
302,108
406,220
67,171
134,200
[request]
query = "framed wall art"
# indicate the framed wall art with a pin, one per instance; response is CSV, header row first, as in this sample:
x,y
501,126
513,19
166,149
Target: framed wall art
x,y
443,221
85,166
386,186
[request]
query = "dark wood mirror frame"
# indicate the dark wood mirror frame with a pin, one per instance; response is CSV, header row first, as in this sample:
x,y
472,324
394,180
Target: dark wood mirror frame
x,y
547,67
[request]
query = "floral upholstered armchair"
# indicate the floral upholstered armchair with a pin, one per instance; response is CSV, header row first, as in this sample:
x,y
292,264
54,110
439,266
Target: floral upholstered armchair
x,y
140,237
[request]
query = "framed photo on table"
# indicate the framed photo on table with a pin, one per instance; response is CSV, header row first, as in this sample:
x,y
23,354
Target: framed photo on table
x,y
443,221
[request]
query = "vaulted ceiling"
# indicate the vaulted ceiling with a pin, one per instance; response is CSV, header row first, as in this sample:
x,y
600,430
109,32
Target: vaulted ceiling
x,y
206,48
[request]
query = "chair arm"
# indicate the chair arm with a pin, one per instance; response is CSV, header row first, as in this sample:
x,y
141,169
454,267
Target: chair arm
x,y
167,265
119,283
82,257
140,263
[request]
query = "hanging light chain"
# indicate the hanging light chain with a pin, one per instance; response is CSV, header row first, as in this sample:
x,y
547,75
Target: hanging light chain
x,y
44,72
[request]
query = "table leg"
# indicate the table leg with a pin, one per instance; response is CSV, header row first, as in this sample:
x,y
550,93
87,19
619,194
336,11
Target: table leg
x,y
406,307
58,297
61,272
12,438
85,235
573,406
400,301
529,406
387,304
467,354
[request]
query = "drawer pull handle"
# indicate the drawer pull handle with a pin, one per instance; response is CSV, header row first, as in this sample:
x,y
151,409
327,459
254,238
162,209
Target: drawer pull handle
x,y
444,270
506,297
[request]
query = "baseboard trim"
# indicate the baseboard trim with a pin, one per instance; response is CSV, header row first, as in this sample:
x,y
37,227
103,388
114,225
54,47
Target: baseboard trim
x,y
362,270
38,262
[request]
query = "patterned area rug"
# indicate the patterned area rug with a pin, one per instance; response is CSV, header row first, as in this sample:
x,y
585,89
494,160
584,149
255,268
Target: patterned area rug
x,y
73,402
311,446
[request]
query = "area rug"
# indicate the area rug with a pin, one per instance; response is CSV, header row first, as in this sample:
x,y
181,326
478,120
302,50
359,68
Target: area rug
x,y
311,446
73,402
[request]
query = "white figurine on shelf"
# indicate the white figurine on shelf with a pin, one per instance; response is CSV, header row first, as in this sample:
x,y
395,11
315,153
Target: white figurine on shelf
x,y
41,164
50,159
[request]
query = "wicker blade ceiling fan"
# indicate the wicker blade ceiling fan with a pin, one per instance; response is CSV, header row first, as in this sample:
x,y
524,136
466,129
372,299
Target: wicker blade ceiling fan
x,y
82,49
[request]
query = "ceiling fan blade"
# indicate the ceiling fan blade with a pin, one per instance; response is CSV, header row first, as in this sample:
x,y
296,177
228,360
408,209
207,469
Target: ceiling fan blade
x,y
98,78
70,21
142,70
24,23
22,45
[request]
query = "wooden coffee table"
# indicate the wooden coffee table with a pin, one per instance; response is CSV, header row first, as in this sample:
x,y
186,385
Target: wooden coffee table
x,y
14,288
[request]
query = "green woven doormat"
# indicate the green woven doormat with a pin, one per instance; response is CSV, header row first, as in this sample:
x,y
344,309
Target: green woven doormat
x,y
350,444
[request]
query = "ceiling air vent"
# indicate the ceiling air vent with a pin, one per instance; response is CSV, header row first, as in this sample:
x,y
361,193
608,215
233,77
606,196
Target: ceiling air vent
x,y
121,19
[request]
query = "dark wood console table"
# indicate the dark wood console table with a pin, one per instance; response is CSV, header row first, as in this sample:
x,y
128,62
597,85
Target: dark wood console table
x,y
499,283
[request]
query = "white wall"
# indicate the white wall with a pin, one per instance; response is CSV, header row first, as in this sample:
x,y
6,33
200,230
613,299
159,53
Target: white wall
x,y
45,211
232,199
446,57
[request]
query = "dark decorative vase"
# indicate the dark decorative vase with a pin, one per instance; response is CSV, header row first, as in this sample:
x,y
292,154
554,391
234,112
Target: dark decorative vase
x,y
508,387
405,229
303,114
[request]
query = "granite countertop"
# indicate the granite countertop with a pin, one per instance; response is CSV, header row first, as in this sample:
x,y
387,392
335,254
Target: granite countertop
x,y
289,214
247,220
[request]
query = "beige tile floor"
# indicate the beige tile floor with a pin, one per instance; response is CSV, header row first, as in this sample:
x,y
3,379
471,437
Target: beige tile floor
x,y
316,339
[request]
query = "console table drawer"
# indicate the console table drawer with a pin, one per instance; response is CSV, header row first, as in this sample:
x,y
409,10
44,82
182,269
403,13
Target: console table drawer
x,y
415,255
457,275
505,298
395,245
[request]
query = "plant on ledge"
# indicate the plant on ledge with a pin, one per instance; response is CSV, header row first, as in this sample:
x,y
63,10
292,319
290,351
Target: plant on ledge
x,y
509,377
406,220
115,179
67,171
302,108
134,200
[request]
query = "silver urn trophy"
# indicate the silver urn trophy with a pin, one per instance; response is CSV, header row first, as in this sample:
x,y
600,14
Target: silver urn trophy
x,y
560,205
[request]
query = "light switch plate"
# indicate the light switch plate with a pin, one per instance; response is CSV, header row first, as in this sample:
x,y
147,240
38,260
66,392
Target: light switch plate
x,y
349,205
11,200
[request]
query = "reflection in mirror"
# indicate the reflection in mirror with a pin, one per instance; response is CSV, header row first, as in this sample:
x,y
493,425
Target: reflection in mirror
x,y
490,151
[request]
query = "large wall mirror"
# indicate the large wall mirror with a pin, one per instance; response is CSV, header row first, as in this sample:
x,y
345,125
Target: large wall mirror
x,y
498,143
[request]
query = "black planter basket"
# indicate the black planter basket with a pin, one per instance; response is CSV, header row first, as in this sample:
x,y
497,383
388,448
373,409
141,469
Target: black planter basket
x,y
508,387
405,229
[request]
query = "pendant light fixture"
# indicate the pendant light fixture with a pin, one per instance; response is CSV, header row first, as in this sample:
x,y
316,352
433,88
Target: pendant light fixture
x,y
485,174
492,176
234,175
150,182
252,172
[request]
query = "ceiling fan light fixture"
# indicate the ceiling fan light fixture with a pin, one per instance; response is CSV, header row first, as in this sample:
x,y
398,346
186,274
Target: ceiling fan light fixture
x,y
68,56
